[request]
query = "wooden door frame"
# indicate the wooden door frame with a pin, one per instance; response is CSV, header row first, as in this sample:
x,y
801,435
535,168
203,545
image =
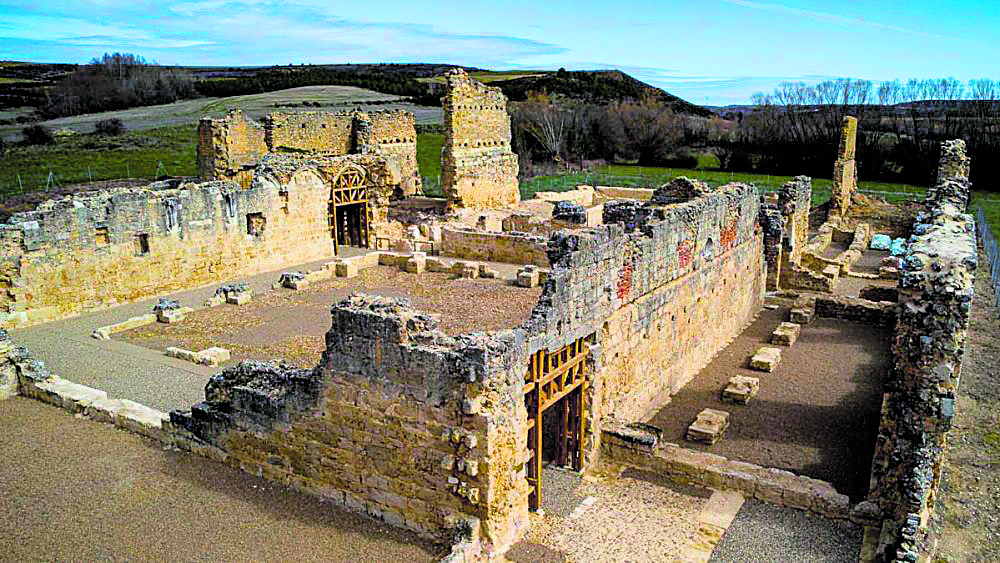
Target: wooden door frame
x,y
552,377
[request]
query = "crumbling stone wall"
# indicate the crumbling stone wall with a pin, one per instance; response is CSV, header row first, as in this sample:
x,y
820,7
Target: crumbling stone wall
x,y
935,296
845,172
428,431
230,147
512,248
479,171
786,229
98,250
647,283
419,429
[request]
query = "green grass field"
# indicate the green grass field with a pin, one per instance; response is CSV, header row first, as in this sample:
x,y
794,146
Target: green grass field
x,y
649,177
166,151
990,202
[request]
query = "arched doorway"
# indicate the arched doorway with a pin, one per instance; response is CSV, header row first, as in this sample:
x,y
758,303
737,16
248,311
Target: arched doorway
x,y
348,209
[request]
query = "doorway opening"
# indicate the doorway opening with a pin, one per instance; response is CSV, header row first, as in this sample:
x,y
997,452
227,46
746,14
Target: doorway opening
x,y
555,396
348,210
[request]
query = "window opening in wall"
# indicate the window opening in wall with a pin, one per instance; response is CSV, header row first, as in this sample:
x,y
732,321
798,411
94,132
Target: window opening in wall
x,y
172,212
255,224
229,205
555,395
101,236
142,244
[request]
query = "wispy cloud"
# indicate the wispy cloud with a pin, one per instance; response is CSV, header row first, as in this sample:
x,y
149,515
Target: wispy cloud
x,y
831,18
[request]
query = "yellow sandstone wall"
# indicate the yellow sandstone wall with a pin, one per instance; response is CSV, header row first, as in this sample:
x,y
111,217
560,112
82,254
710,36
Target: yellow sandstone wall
x,y
95,251
479,171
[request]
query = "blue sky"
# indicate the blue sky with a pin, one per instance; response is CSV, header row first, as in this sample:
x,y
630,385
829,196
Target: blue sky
x,y
710,51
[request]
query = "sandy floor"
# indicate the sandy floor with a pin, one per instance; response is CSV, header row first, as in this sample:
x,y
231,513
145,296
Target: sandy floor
x,y
290,325
77,490
816,414
633,517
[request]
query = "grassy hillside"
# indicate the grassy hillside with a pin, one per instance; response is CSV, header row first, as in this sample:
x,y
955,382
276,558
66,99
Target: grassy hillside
x,y
188,112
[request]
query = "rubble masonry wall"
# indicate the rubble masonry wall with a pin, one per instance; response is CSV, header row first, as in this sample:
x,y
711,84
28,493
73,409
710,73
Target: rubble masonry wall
x,y
845,171
935,297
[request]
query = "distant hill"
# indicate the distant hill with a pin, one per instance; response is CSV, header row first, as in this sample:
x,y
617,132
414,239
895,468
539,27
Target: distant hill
x,y
597,86
27,84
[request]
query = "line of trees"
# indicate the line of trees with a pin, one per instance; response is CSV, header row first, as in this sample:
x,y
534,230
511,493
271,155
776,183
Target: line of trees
x,y
796,127
113,82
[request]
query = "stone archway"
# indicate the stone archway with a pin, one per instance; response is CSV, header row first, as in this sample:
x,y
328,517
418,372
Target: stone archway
x,y
349,209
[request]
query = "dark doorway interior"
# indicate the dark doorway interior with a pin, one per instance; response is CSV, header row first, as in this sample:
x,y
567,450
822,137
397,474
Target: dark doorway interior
x,y
351,227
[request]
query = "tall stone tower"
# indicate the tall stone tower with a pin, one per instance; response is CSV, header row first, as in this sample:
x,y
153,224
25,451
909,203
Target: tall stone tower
x,y
479,171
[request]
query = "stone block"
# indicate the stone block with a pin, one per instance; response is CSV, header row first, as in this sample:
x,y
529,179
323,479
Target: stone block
x,y
709,426
888,273
486,272
766,359
212,356
8,382
170,316
298,285
416,264
345,269
741,389
786,334
241,298
528,276
139,418
318,275
181,354
801,316
832,272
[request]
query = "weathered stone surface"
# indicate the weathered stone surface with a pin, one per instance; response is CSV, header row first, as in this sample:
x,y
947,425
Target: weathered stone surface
x,y
800,316
766,359
478,168
212,356
528,276
845,174
105,332
710,426
741,389
786,334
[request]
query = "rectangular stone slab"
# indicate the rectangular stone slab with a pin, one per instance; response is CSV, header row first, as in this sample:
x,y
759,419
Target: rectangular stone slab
x,y
786,334
801,316
766,359
709,426
741,389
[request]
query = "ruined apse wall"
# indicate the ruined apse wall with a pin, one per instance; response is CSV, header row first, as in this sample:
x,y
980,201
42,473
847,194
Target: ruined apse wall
x,y
845,171
428,431
230,147
98,250
935,296
479,171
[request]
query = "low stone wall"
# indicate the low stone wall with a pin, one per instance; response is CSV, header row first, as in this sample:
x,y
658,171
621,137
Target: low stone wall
x,y
508,247
935,297
642,450
857,310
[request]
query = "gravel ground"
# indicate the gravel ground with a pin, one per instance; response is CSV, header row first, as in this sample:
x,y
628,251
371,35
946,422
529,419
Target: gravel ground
x,y
967,517
290,325
766,533
817,414
77,490
636,518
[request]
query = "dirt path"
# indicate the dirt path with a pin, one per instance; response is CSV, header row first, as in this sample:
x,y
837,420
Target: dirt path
x,y
77,490
967,520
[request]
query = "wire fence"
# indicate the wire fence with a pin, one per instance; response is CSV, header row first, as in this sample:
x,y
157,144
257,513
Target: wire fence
x,y
45,179
992,252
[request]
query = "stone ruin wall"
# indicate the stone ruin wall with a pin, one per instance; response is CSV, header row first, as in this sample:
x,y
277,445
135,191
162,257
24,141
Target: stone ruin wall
x,y
507,247
935,298
647,284
479,170
427,431
845,172
786,230
94,251
230,147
